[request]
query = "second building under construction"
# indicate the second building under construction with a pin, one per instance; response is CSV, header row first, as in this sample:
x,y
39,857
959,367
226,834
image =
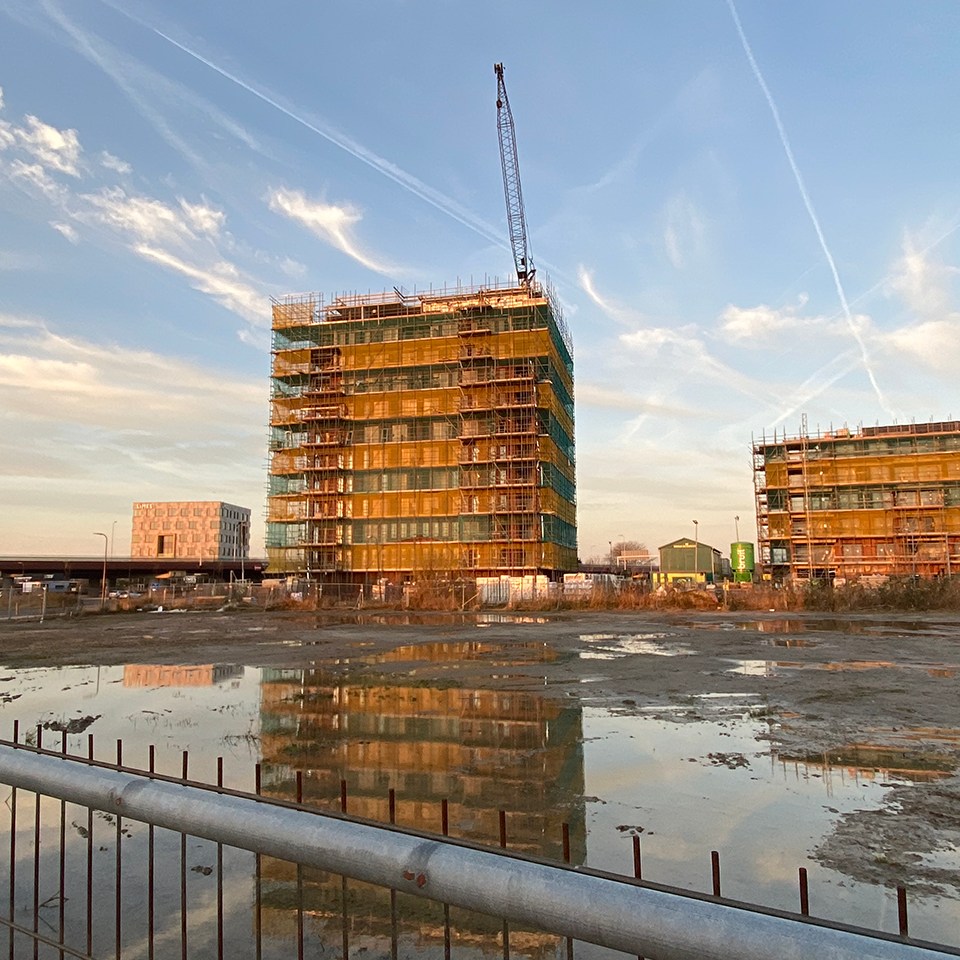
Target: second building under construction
x,y
422,435
876,502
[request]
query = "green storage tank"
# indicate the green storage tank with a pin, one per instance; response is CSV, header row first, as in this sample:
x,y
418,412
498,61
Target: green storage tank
x,y
741,559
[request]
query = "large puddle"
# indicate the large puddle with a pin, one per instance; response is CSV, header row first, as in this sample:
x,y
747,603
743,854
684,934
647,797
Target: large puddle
x,y
684,788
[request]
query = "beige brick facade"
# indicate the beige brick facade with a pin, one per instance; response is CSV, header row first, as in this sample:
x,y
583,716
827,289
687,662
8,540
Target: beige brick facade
x,y
191,529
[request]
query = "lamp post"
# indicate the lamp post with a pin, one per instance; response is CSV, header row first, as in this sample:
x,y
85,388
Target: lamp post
x,y
243,546
696,550
113,530
736,526
103,579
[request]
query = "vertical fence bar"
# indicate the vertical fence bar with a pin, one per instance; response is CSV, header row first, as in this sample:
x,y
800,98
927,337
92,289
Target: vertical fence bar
x,y
566,859
183,875
344,918
902,911
445,828
36,859
63,850
151,766
506,926
219,875
258,885
13,839
119,900
392,805
300,879
804,892
637,867
89,860
715,870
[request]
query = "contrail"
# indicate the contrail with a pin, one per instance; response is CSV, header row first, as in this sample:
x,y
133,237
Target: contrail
x,y
864,355
406,180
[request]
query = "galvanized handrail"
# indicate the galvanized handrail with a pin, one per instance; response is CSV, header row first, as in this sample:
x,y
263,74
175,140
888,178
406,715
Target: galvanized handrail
x,y
636,917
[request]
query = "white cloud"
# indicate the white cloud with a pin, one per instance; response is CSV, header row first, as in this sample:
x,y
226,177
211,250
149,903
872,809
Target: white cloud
x,y
1,98
64,229
293,268
55,149
110,162
613,310
922,282
145,218
757,325
684,228
221,281
327,221
202,217
34,175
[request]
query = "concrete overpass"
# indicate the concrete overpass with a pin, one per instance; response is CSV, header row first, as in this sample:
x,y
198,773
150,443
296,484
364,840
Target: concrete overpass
x,y
130,568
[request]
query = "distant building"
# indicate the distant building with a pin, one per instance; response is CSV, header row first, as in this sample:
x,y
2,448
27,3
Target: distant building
x,y
686,559
191,529
875,502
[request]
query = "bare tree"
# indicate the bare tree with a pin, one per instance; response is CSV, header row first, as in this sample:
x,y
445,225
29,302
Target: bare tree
x,y
625,546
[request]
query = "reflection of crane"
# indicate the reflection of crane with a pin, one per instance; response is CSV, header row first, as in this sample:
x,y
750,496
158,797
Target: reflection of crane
x,y
516,219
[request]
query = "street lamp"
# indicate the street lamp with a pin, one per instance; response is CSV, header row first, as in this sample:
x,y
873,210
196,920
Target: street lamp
x,y
736,526
103,579
696,549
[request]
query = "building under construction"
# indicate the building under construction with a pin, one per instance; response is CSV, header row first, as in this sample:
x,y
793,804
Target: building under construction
x,y
875,502
422,435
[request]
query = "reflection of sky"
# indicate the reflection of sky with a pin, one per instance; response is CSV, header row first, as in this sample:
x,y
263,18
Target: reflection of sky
x,y
640,772
764,820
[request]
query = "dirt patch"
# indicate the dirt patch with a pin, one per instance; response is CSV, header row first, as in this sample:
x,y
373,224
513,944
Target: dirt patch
x,y
913,839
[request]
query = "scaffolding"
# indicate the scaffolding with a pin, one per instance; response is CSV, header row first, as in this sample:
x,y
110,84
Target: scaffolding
x,y
422,434
871,503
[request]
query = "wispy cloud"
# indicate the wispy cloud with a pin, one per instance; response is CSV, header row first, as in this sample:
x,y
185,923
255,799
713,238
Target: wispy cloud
x,y
808,203
65,230
110,162
221,281
684,228
330,222
322,128
111,425
612,309
134,79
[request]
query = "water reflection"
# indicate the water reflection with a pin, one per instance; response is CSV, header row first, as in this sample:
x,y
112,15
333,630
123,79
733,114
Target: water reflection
x,y
482,750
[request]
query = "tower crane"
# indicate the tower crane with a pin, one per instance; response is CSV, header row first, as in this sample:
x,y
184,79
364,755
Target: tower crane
x,y
516,219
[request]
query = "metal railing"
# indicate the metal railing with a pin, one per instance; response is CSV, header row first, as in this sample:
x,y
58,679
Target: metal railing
x,y
638,917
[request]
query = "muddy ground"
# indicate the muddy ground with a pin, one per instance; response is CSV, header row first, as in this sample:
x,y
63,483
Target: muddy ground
x,y
878,693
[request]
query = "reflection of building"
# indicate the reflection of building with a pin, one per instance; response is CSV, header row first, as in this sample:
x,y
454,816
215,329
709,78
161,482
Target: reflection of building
x,y
879,501
161,675
193,529
482,750
422,434
913,761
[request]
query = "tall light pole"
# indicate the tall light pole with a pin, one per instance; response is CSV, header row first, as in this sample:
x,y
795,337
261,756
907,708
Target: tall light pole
x,y
103,579
243,546
736,526
113,530
696,549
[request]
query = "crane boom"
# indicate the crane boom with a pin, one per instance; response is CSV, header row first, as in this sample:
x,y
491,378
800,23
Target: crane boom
x,y
516,219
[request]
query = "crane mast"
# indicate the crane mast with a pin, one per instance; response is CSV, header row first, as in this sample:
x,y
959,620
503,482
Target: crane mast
x,y
516,219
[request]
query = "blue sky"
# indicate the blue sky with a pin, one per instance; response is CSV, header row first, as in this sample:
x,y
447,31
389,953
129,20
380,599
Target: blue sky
x,y
165,168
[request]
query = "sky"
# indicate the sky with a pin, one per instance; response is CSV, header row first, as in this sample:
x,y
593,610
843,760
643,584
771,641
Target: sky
x,y
750,212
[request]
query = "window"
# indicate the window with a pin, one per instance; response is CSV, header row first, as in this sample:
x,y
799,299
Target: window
x,y
166,545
